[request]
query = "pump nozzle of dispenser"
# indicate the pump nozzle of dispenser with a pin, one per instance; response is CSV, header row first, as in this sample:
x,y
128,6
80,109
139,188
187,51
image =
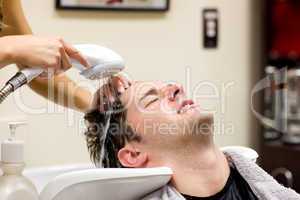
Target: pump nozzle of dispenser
x,y
12,150
13,128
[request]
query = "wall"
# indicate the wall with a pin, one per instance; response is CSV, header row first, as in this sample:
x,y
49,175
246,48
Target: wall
x,y
155,46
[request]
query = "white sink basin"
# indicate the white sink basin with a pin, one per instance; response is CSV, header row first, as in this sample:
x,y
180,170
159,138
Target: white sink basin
x,y
84,182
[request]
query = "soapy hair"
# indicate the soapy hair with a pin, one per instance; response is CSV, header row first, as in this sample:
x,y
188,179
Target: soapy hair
x,y
107,132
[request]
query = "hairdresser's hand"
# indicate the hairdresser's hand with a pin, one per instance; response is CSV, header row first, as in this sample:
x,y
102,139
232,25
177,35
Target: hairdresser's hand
x,y
33,51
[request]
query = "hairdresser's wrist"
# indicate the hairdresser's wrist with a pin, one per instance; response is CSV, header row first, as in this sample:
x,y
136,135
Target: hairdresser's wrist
x,y
6,51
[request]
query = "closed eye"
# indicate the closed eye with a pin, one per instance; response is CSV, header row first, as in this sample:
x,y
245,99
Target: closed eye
x,y
152,101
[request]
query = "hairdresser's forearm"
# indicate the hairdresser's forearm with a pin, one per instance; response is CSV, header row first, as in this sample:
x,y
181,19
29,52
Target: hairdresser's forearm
x,y
5,53
63,91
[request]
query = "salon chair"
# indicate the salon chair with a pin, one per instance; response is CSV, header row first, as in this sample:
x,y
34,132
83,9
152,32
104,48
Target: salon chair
x,y
84,182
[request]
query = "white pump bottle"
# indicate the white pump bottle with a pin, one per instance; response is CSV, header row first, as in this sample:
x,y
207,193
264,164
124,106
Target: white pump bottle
x,y
13,185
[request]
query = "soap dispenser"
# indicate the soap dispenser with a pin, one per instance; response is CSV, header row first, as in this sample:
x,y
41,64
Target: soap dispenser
x,y
13,185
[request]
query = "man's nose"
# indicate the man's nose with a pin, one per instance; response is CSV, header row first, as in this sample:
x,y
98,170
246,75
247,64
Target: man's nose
x,y
172,90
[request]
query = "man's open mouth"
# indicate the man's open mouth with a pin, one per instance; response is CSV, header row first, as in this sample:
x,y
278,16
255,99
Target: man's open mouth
x,y
185,106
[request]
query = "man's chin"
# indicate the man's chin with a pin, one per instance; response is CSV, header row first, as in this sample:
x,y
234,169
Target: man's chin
x,y
198,123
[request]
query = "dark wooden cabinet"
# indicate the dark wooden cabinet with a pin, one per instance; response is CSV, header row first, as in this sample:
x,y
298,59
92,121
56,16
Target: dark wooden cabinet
x,y
282,162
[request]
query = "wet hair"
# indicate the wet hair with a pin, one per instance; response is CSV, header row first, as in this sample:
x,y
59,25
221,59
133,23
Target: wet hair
x,y
107,132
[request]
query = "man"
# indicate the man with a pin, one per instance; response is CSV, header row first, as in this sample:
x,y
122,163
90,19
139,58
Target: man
x,y
152,124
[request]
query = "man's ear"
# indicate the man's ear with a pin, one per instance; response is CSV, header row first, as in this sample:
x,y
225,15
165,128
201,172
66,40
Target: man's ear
x,y
132,157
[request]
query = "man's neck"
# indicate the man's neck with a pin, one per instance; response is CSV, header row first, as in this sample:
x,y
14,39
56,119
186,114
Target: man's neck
x,y
199,171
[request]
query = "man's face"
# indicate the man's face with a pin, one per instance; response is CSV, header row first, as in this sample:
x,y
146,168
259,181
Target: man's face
x,y
161,113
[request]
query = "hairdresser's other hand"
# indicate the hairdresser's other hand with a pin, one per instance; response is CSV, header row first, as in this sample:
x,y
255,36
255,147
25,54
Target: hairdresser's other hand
x,y
33,51
116,86
121,83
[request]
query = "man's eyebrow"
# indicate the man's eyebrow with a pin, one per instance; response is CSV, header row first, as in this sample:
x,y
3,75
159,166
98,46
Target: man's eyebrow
x,y
149,92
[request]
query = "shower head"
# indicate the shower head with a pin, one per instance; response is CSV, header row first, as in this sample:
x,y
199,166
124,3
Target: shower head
x,y
103,61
